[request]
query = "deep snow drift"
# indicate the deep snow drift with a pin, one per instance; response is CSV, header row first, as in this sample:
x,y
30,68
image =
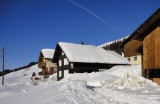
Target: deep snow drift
x,y
119,85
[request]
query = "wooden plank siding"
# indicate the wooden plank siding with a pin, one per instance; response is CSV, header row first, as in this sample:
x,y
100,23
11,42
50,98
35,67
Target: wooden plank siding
x,y
151,56
157,47
156,78
149,33
149,51
129,48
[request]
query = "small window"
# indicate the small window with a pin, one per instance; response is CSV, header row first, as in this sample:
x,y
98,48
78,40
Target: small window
x,y
129,59
60,63
54,69
101,70
66,61
135,58
62,53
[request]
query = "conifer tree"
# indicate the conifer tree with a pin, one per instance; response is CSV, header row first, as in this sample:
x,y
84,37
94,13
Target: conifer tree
x,y
115,46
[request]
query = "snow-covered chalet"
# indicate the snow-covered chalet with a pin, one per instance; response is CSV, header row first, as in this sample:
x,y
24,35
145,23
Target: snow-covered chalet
x,y
84,58
45,62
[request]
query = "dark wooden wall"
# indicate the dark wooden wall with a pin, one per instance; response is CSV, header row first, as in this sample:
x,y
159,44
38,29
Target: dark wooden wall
x,y
90,67
129,48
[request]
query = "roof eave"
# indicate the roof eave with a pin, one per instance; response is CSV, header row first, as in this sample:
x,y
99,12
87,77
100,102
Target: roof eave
x,y
155,17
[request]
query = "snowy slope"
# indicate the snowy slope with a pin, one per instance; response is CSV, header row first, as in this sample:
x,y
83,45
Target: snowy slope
x,y
108,43
21,76
119,85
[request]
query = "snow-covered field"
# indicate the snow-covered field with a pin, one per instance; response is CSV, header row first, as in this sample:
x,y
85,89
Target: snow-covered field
x,y
119,85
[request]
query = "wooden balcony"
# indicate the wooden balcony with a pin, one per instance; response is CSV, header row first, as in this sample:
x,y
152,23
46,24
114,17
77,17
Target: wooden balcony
x,y
44,72
42,64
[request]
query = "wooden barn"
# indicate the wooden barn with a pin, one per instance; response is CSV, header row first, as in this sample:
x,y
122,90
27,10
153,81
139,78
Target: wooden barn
x,y
45,62
84,58
148,37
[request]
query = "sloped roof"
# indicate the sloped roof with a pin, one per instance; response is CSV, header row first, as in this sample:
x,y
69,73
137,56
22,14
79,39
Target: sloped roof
x,y
48,53
143,30
90,54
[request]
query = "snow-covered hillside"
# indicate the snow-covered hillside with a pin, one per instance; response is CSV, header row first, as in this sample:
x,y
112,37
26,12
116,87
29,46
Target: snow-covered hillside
x,y
108,43
21,76
119,85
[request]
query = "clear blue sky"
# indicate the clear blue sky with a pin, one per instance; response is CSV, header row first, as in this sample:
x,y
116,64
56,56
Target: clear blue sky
x,y
27,26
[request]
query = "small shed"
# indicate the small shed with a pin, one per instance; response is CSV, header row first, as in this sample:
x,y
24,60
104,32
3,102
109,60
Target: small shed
x,y
149,34
45,62
84,58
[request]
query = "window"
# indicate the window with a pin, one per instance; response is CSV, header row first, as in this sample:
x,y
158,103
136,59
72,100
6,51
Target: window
x,y
62,53
101,70
65,61
54,69
135,58
60,63
129,59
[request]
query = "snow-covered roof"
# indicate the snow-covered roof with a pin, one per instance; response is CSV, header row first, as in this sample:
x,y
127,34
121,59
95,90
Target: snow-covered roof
x,y
48,53
91,54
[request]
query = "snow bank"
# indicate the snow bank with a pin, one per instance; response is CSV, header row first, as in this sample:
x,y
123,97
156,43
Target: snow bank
x,y
120,71
119,85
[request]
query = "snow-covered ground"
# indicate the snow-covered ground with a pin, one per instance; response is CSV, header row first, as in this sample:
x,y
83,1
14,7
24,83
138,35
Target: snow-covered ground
x,y
119,85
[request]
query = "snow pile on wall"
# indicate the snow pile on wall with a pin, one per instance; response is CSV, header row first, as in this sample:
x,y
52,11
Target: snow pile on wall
x,y
121,70
119,84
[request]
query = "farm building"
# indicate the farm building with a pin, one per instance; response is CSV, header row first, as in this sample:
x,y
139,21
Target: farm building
x,y
84,58
149,35
45,62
